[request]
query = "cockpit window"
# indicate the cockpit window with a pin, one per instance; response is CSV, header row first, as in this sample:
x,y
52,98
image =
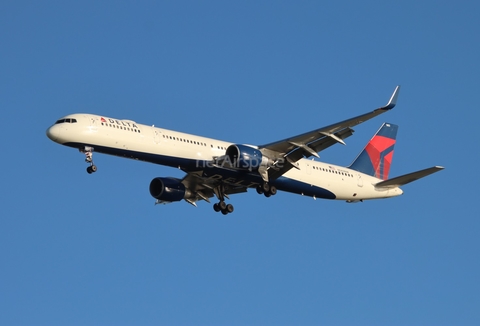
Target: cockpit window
x,y
66,121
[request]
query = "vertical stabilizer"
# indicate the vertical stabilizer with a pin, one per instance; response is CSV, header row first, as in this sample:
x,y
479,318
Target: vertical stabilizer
x,y
376,157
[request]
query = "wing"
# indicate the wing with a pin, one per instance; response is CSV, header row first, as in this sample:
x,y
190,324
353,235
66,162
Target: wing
x,y
310,143
331,131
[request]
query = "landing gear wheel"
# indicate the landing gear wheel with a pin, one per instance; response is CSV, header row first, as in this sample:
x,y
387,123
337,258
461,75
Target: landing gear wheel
x,y
266,187
222,205
267,190
273,190
91,169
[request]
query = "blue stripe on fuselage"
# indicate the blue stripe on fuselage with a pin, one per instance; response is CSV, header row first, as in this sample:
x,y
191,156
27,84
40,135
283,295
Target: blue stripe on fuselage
x,y
184,163
230,176
302,188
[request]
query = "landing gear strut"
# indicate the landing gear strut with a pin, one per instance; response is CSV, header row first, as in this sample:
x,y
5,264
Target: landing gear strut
x,y
88,151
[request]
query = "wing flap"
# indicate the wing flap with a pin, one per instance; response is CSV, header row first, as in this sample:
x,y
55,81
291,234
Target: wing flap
x,y
203,187
295,155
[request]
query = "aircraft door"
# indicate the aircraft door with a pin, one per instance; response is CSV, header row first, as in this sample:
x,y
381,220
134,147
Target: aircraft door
x,y
309,168
93,123
156,136
359,180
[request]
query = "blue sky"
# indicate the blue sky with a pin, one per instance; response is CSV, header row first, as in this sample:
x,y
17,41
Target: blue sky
x,y
78,249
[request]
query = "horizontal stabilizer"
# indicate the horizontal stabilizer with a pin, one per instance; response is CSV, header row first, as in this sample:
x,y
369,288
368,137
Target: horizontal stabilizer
x,y
407,178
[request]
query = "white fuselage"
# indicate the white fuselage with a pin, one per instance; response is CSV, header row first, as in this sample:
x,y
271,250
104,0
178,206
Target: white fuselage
x,y
126,138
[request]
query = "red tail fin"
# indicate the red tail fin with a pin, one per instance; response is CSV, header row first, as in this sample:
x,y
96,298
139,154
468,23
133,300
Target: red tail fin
x,y
376,157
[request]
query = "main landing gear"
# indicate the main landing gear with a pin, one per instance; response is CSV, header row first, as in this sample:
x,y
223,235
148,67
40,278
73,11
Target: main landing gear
x,y
267,189
221,206
88,151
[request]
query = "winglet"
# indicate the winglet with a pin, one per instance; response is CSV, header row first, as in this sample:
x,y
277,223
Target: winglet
x,y
393,100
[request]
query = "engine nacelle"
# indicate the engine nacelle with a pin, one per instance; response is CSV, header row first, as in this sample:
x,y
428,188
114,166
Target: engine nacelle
x,y
168,189
246,157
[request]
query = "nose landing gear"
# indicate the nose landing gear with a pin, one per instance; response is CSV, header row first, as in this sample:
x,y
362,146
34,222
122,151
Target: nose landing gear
x,y
88,151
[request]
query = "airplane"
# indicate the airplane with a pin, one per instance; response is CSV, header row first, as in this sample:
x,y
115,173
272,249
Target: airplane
x,y
216,168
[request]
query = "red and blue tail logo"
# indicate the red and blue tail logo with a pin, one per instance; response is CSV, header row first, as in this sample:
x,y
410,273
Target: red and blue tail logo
x,y
376,157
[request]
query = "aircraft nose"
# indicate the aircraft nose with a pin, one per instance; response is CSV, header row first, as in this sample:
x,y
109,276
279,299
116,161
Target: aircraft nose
x,y
52,133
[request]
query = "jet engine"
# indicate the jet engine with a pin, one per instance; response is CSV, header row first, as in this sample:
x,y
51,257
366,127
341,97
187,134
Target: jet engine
x,y
168,189
246,157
